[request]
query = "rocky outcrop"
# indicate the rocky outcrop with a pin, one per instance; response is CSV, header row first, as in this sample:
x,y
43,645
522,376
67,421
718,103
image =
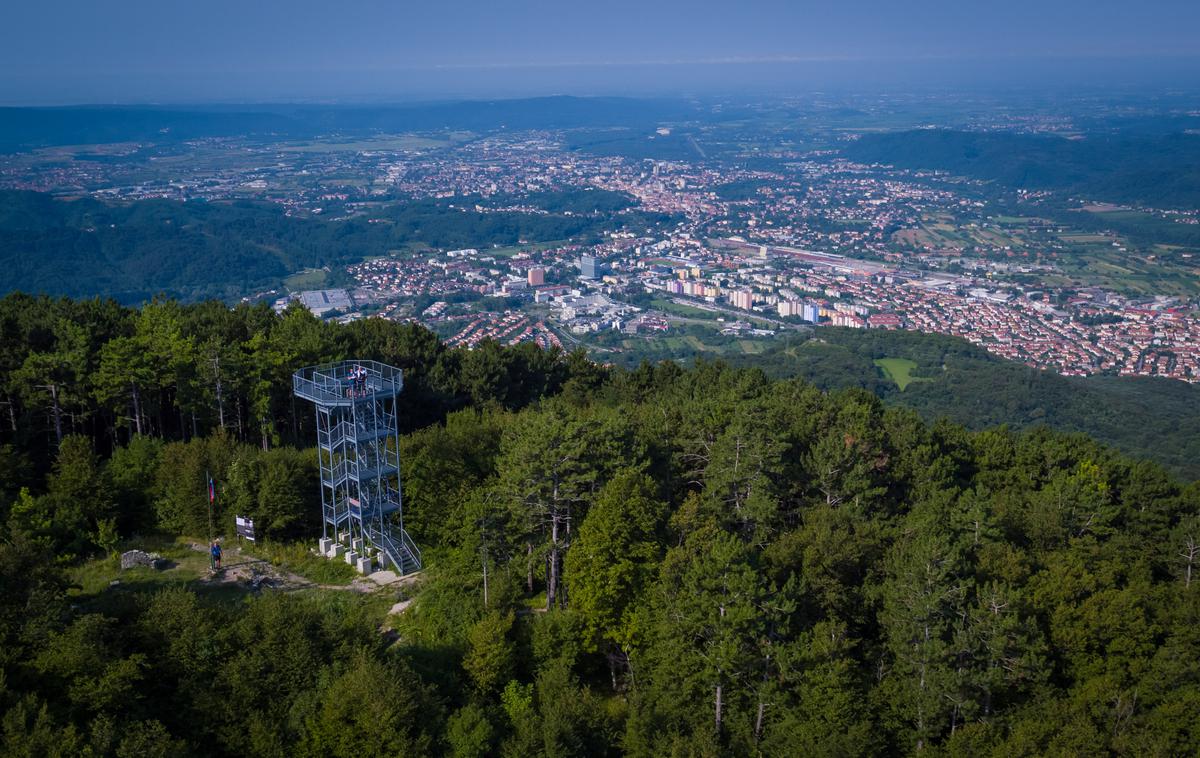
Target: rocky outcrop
x,y
142,558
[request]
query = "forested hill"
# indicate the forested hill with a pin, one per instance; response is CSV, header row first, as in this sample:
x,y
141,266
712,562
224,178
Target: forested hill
x,y
133,251
1158,171
1144,417
658,561
26,128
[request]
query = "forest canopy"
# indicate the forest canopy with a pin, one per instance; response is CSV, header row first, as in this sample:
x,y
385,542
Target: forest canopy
x,y
193,250
661,560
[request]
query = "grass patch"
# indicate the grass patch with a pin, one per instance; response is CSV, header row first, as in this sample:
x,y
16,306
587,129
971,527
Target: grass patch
x,y
899,370
297,558
752,347
537,602
683,310
308,279
508,251
95,580
187,566
699,344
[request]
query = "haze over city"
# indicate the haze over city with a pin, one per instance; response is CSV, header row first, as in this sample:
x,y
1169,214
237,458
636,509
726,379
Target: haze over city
x,y
141,51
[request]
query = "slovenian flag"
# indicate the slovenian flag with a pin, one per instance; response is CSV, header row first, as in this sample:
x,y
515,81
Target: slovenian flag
x,y
212,490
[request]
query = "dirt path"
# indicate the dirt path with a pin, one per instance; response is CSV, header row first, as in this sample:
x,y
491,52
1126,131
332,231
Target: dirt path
x,y
257,574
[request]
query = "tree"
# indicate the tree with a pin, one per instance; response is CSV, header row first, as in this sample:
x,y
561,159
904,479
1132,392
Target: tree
x,y
80,495
489,659
14,474
131,470
551,465
183,504
1187,544
614,561
742,474
828,714
287,487
572,723
847,461
470,732
712,612
373,708
124,376
921,602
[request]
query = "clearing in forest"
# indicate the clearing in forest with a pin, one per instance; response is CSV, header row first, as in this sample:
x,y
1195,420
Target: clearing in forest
x,y
899,370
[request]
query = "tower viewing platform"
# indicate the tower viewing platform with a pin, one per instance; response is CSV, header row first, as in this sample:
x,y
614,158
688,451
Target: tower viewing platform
x,y
358,452
334,384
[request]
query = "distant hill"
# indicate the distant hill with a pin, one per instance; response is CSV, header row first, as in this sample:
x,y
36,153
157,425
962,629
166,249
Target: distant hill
x,y
971,387
24,128
1160,171
193,250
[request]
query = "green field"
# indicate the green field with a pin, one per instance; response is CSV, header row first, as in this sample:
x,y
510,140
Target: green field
x,y
752,347
899,370
308,279
387,143
508,251
678,309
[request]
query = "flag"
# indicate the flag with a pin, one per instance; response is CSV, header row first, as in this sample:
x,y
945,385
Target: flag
x,y
212,489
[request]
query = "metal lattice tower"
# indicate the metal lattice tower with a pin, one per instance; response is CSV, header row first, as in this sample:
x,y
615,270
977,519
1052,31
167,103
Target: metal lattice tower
x,y
359,453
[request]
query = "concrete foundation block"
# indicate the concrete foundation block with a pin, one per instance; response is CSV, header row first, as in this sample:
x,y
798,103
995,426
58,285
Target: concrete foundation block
x,y
337,551
357,545
364,565
323,545
344,537
351,557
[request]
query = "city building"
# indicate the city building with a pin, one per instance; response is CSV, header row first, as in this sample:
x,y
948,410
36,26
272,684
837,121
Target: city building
x,y
320,302
742,299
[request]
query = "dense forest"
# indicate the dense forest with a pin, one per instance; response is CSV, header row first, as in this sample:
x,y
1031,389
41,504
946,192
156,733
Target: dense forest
x,y
964,383
650,561
133,251
968,385
1161,170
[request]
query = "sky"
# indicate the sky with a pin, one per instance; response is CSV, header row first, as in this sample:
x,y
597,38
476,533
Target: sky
x,y
101,51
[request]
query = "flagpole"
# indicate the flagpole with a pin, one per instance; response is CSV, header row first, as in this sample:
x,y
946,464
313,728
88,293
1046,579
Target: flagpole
x,y
212,494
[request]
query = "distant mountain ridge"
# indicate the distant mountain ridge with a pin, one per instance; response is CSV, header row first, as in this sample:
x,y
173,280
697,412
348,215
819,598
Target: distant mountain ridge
x,y
26,128
1156,170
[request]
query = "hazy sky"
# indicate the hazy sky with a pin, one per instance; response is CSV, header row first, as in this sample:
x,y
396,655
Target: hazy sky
x,y
178,50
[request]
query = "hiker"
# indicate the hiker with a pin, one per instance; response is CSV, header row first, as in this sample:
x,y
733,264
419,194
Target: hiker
x,y
214,556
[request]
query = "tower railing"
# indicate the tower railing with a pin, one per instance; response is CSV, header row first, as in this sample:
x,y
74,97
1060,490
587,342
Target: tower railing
x,y
333,383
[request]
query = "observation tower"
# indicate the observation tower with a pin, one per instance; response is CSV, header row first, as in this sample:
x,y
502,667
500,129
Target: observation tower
x,y
359,454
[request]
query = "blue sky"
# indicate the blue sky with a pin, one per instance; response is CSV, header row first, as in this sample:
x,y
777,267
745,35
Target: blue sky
x,y
138,50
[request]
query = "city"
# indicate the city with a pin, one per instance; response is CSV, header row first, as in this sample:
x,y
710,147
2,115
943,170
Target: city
x,y
819,240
